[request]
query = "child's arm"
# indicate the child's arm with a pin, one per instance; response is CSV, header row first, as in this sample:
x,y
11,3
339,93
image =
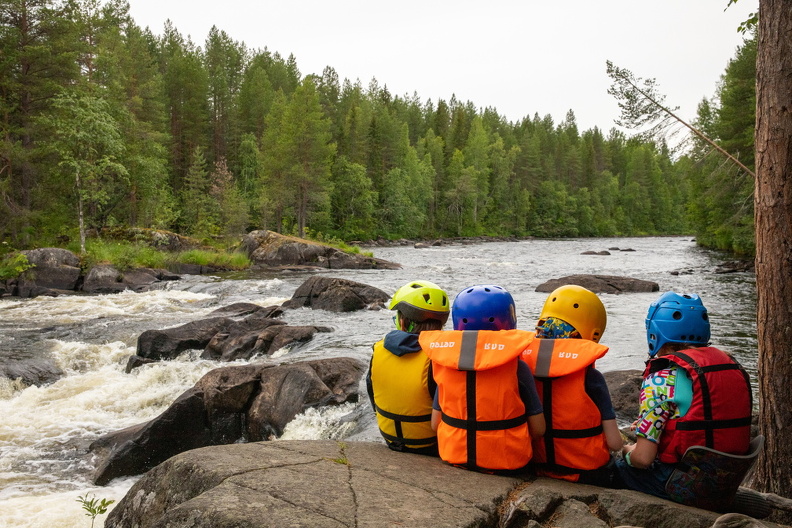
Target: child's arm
x,y
536,425
435,419
612,435
641,454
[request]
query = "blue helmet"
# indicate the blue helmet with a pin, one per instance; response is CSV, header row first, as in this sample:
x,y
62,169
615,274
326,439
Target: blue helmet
x,y
676,318
484,307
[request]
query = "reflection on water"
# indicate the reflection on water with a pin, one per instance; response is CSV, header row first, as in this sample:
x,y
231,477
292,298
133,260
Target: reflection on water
x,y
44,436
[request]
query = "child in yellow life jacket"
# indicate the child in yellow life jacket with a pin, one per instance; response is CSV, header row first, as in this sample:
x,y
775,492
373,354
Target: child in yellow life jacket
x,y
399,381
486,409
581,424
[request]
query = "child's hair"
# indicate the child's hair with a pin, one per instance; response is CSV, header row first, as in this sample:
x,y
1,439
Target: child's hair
x,y
417,327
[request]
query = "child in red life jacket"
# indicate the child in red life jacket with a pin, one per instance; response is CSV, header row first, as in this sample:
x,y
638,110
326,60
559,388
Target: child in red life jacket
x,y
581,423
691,395
399,381
486,409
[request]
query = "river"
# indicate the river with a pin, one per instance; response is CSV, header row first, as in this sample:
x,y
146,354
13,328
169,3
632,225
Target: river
x,y
45,431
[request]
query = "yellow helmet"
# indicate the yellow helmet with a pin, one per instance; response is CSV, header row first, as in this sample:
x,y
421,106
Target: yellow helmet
x,y
579,307
420,301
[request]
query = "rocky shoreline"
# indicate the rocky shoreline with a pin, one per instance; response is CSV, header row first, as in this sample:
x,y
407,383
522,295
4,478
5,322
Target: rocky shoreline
x,y
362,484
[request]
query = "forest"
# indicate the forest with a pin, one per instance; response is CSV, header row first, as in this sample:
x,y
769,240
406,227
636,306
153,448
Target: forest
x,y
107,124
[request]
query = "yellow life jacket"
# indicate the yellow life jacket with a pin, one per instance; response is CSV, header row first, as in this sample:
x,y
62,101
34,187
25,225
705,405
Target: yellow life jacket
x,y
400,387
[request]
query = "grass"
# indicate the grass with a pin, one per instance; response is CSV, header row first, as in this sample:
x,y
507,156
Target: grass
x,y
128,255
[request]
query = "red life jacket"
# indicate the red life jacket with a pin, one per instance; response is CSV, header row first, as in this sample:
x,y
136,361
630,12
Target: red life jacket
x,y
483,417
720,413
574,439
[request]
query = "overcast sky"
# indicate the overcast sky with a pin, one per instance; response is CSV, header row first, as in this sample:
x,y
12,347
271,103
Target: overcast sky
x,y
519,56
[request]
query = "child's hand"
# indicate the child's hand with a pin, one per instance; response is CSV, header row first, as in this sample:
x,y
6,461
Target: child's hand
x,y
634,425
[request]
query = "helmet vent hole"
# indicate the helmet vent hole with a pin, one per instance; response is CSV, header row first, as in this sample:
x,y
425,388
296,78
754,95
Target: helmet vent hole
x,y
445,300
487,290
705,316
427,298
677,315
554,299
576,305
464,320
491,319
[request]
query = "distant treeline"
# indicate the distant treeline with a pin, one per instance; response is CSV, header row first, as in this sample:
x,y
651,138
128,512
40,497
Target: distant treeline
x,y
132,128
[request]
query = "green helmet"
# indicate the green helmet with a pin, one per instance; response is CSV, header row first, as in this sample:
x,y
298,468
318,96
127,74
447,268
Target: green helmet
x,y
421,301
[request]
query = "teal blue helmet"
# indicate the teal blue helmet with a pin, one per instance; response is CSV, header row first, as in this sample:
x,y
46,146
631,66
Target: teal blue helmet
x,y
676,318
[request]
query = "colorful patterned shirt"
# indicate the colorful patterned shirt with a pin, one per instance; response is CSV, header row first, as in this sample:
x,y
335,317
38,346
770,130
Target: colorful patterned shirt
x,y
656,407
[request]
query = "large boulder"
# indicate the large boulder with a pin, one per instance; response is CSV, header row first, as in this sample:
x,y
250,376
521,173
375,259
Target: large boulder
x,y
29,370
104,278
169,343
223,337
270,249
336,295
53,268
601,284
228,405
342,484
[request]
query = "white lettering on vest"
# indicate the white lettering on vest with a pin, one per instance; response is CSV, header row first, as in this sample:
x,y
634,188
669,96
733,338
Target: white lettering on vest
x,y
567,355
443,344
494,346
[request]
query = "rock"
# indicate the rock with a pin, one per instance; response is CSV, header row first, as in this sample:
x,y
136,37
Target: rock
x,y
602,253
258,334
270,249
228,405
624,387
169,343
27,289
735,266
421,245
601,284
54,268
30,371
341,484
336,295
243,309
104,278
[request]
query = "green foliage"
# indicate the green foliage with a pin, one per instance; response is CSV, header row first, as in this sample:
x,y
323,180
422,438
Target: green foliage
x,y
93,506
128,255
213,139
12,265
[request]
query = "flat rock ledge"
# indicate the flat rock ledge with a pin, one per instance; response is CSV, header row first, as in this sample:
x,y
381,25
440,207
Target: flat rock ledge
x,y
307,483
602,284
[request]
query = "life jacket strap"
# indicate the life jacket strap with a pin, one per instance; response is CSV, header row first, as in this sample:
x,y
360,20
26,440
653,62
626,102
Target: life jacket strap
x,y
708,425
408,441
403,417
576,433
488,425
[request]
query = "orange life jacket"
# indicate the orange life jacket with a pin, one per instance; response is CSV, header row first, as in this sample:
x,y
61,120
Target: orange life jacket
x,y
483,425
719,416
573,439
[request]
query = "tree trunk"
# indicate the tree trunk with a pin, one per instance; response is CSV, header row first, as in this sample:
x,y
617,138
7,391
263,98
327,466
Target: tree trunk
x,y
773,220
80,219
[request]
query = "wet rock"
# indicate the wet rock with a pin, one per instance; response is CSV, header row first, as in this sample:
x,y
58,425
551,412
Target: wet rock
x,y
336,295
601,284
735,266
258,334
30,371
421,245
242,309
602,253
169,343
228,405
29,289
270,249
